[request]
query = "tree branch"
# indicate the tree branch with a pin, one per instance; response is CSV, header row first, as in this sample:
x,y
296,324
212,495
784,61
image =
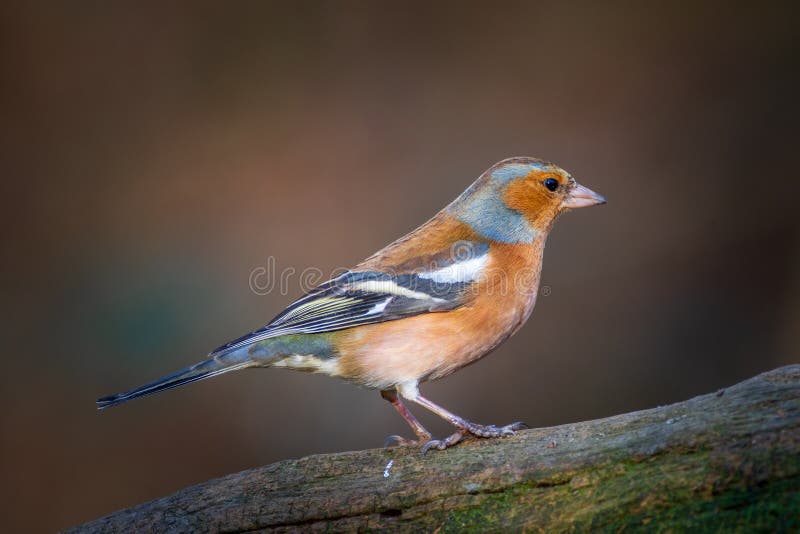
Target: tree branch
x,y
716,462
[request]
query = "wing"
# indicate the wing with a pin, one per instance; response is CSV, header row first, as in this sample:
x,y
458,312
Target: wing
x,y
363,297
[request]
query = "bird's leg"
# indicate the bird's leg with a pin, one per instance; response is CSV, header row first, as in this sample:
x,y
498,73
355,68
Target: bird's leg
x,y
423,435
464,427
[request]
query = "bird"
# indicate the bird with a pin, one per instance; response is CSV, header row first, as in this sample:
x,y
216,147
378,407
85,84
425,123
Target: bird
x,y
431,302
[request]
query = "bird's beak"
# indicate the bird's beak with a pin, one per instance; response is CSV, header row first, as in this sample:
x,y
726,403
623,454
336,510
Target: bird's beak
x,y
581,197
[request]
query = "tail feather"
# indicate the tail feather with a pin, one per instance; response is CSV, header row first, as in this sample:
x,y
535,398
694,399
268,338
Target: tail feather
x,y
206,369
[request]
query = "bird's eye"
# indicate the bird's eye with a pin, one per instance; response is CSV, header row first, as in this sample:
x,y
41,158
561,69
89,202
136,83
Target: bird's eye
x,y
551,184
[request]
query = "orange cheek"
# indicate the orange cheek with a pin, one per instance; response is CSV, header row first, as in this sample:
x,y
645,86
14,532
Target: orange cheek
x,y
530,198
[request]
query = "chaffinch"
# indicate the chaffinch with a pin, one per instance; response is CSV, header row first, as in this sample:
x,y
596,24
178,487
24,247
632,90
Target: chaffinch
x,y
426,305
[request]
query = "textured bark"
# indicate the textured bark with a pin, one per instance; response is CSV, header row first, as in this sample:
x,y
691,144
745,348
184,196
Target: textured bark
x,y
725,461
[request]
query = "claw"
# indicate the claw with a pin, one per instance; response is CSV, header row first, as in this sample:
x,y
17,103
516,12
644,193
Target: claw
x,y
399,440
434,443
510,430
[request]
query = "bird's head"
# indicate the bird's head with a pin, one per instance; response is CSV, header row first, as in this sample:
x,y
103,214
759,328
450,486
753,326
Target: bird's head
x,y
540,191
519,198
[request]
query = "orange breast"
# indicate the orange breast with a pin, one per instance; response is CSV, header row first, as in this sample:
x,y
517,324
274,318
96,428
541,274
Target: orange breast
x,y
433,345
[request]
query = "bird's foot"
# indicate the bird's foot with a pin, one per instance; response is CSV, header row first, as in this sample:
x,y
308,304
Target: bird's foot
x,y
400,441
492,431
480,431
442,444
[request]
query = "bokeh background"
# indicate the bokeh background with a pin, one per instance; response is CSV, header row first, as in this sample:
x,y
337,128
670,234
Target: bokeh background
x,y
155,154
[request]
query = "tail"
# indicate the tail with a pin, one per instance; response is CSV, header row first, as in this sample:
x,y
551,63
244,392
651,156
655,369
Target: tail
x,y
216,365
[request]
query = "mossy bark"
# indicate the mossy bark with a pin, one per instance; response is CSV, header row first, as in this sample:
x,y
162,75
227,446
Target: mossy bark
x,y
727,461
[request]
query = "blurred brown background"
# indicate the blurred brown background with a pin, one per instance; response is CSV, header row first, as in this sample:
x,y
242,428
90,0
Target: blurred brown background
x,y
154,155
